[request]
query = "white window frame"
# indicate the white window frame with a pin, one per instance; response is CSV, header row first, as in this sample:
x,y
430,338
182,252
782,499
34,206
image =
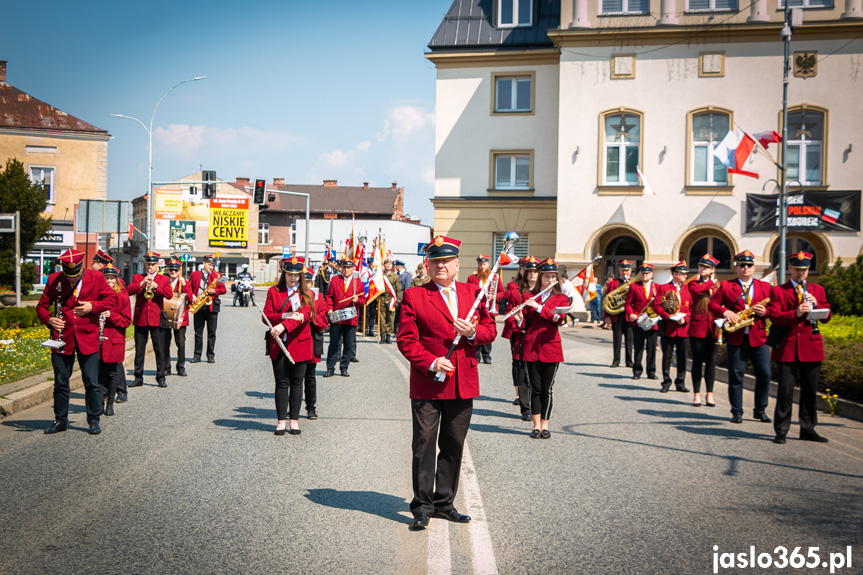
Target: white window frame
x,y
803,143
52,192
515,11
514,156
710,147
264,233
807,4
514,80
622,146
712,7
521,250
625,10
293,233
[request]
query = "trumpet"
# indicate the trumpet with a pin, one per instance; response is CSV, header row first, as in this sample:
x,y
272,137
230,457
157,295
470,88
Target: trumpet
x,y
148,291
205,299
745,318
615,300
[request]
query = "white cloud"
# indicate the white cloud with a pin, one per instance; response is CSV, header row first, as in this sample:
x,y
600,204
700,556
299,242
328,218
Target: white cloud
x,y
336,158
191,141
364,146
408,119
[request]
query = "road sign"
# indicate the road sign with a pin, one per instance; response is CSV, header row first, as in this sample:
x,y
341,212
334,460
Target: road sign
x,y
7,224
286,251
186,257
420,247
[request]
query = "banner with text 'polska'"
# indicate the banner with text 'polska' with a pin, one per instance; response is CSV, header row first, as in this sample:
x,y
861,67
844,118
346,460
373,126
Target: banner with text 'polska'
x,y
229,223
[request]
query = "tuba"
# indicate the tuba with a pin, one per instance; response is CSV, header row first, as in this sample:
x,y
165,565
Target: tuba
x,y
205,299
615,300
746,318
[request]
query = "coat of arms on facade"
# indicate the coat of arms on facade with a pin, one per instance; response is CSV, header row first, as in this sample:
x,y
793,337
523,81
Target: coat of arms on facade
x,y
805,64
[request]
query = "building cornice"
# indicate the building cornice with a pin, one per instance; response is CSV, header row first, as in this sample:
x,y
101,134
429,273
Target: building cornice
x,y
726,33
483,202
485,57
58,134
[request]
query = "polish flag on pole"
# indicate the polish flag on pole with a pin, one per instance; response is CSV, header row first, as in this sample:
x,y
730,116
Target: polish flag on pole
x,y
735,150
647,187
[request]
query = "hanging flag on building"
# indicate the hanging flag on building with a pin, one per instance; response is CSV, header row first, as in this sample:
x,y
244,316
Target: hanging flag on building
x,y
648,189
735,151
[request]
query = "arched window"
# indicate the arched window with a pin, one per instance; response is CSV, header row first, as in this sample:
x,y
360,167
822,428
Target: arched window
x,y
807,128
792,246
707,129
621,149
714,246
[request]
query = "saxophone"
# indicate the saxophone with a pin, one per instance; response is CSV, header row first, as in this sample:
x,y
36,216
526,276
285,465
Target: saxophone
x,y
615,300
205,299
746,318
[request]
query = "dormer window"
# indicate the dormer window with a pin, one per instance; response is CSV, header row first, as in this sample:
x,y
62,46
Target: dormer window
x,y
514,13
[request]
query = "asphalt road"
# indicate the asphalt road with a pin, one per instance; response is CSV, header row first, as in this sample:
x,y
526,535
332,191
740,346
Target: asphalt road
x,y
191,479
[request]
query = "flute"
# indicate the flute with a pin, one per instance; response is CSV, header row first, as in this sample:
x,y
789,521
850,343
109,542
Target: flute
x,y
517,308
278,339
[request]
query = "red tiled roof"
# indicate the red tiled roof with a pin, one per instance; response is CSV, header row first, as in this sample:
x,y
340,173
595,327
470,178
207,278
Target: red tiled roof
x,y
21,110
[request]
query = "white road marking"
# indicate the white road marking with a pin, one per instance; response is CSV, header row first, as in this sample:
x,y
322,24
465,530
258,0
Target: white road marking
x,y
439,554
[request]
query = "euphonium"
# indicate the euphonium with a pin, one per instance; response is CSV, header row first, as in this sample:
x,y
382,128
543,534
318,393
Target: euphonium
x,y
205,299
615,300
671,302
746,318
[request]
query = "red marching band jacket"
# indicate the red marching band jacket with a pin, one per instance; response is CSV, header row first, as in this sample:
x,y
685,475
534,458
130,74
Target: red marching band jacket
x,y
319,321
148,312
337,293
637,302
297,336
541,335
195,282
114,344
728,297
182,286
798,343
426,332
473,279
701,322
80,332
512,298
672,328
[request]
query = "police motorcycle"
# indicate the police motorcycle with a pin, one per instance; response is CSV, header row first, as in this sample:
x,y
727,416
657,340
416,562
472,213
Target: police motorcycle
x,y
243,289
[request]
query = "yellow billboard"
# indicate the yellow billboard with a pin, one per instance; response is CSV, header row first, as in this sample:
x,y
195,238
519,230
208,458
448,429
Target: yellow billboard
x,y
229,223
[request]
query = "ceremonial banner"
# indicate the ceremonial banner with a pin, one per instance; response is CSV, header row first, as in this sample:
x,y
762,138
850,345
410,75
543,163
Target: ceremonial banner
x,y
807,212
229,223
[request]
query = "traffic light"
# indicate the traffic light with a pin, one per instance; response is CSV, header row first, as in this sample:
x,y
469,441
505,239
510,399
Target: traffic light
x,y
209,190
260,192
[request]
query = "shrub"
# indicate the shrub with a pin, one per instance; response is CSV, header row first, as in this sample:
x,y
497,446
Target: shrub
x,y
22,316
842,329
842,370
844,287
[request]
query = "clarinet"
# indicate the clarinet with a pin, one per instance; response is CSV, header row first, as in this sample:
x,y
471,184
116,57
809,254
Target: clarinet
x,y
812,322
58,313
101,329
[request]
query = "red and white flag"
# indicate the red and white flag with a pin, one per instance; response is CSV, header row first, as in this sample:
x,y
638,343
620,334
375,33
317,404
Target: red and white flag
x,y
585,283
734,152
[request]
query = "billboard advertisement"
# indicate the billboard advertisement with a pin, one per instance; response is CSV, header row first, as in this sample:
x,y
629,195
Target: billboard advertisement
x,y
229,223
810,211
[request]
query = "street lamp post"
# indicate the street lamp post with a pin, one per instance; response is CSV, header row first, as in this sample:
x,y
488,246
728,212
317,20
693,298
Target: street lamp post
x,y
150,198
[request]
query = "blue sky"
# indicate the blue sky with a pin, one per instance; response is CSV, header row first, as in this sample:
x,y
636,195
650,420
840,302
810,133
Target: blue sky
x,y
301,90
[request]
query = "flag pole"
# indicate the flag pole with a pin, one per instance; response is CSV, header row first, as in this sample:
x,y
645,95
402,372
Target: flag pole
x,y
783,187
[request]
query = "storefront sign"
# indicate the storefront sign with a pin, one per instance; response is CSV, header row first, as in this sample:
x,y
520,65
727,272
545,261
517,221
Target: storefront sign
x,y
229,222
807,212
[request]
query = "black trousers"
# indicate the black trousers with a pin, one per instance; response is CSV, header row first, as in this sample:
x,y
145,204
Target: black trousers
x,y
703,361
398,315
805,374
760,357
179,336
483,351
519,380
676,346
157,334
644,340
341,334
621,330
311,386
541,376
435,477
289,386
63,365
120,376
211,319
108,380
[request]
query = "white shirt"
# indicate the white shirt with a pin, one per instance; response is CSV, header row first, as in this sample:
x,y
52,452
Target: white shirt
x,y
452,289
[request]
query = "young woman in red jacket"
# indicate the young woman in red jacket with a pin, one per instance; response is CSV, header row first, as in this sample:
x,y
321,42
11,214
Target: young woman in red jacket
x,y
319,323
542,350
526,281
289,308
113,347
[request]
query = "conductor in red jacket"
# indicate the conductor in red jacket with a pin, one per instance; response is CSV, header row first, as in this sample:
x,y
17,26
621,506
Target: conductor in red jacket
x,y
675,332
345,292
149,317
80,296
432,315
800,351
208,315
745,294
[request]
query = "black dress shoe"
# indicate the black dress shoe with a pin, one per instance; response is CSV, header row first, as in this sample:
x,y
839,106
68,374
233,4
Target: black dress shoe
x,y
195,360
736,418
487,360
354,360
109,409
329,373
535,434
55,427
664,389
419,522
545,434
122,398
295,431
652,377
181,372
636,377
762,417
629,365
710,404
451,515
516,401
279,432
614,365
683,389
779,439
136,383
94,429
526,417
162,383
311,413
388,338
211,360
344,373
812,436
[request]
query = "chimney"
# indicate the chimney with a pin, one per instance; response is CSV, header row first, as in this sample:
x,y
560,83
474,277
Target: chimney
x,y
243,181
395,186
331,184
365,185
278,181
2,71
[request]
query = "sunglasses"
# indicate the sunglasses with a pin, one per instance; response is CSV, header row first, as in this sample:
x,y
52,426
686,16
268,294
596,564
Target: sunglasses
x,y
744,265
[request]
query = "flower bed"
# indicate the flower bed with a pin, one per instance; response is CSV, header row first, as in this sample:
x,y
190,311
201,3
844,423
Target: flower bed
x,y
21,353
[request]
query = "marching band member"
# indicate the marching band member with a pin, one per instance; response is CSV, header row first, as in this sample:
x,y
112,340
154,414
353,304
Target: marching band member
x,y
527,279
620,328
733,297
178,285
318,324
388,316
289,308
208,315
100,260
481,278
542,350
345,291
113,348
801,349
675,333
82,295
432,315
702,330
148,318
640,295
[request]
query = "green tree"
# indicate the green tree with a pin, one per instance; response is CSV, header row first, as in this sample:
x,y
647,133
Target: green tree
x,y
844,287
18,193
